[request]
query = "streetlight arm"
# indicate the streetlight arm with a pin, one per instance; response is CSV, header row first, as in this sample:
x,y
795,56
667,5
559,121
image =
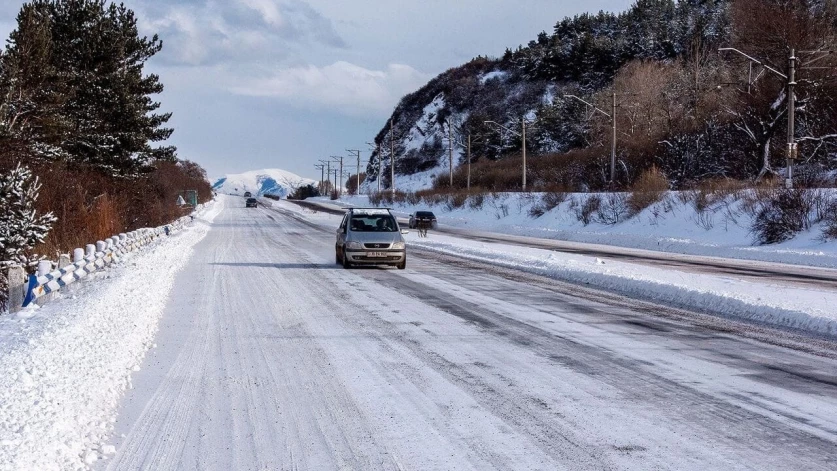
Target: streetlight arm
x,y
753,59
589,104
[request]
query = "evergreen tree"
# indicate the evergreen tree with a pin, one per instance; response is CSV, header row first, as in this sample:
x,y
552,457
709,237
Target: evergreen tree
x,y
21,228
32,91
80,62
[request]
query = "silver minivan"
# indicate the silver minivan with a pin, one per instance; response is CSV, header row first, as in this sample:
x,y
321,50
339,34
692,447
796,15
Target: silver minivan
x,y
370,236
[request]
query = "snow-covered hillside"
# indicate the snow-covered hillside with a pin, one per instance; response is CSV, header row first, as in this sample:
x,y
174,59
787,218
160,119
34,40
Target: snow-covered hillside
x,y
271,181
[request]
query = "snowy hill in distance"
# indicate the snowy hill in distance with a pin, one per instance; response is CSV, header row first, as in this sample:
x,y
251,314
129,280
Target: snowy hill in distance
x,y
271,181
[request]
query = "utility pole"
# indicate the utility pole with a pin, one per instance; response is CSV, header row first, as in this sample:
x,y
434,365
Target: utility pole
x,y
613,140
612,117
521,134
321,168
327,163
791,116
357,153
790,83
340,183
468,184
391,158
450,154
523,130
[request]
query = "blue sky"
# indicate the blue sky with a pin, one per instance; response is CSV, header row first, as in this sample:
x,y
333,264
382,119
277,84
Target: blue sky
x,y
281,83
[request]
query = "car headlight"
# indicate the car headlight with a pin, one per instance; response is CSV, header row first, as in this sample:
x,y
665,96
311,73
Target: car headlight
x,y
398,245
354,245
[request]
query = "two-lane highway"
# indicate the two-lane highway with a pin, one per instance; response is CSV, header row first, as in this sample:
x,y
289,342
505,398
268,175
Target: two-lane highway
x,y
270,356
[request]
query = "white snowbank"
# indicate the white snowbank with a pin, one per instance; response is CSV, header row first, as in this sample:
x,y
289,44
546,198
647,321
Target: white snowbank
x,y
770,303
64,367
672,226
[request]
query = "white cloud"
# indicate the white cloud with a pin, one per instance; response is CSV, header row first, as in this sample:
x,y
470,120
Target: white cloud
x,y
200,32
348,88
269,9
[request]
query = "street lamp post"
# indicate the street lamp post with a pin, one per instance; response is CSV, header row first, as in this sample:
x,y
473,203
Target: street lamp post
x,y
521,134
612,117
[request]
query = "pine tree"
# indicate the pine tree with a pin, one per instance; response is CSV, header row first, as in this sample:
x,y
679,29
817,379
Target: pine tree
x,y
21,228
32,91
72,79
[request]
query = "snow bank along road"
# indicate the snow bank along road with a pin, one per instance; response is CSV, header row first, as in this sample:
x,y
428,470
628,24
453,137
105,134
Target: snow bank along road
x,y
270,356
746,269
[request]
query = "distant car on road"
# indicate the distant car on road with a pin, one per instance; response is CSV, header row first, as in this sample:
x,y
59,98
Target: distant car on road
x,y
252,203
370,236
426,218
247,194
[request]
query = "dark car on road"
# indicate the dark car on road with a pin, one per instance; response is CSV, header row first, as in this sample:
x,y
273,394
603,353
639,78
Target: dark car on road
x,y
252,203
426,218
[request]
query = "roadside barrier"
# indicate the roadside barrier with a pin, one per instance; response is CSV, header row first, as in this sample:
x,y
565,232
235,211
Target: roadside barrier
x,y
92,258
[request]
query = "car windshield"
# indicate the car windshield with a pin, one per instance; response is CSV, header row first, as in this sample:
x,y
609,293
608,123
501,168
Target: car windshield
x,y
424,214
373,223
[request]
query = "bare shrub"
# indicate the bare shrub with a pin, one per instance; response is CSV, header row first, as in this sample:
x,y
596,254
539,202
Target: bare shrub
x,y
613,209
476,201
552,199
548,202
375,198
501,209
536,211
648,189
705,219
413,198
782,216
829,218
585,211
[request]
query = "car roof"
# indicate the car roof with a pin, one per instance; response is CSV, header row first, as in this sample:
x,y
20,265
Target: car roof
x,y
369,211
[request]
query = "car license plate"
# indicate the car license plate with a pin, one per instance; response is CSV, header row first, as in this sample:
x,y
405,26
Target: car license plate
x,y
376,254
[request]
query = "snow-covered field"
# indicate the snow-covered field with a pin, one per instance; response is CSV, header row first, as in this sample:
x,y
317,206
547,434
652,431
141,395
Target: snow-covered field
x,y
65,366
776,303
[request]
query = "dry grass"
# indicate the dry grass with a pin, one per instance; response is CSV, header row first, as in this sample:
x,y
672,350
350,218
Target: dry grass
x,y
91,206
649,188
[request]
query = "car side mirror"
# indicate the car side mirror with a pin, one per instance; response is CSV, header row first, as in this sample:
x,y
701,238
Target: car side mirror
x,y
404,231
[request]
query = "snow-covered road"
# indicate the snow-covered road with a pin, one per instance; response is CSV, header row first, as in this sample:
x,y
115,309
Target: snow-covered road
x,y
270,356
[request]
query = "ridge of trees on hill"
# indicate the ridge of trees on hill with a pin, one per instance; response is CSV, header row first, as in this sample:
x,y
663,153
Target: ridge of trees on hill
x,y
682,106
77,108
